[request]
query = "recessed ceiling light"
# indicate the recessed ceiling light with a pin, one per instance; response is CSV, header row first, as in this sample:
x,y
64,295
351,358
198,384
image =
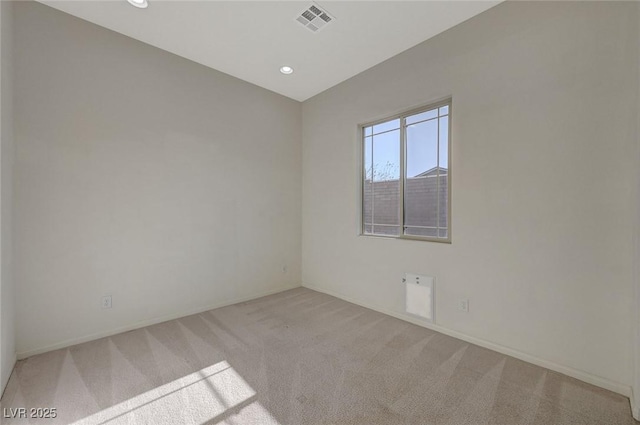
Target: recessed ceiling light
x,y
142,4
286,70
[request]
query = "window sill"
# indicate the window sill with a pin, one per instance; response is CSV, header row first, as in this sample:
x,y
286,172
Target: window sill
x,y
408,238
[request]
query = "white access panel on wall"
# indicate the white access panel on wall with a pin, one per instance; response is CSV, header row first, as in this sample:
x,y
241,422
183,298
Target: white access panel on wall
x,y
419,298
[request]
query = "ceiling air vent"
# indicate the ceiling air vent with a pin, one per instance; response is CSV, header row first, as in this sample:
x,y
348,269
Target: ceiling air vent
x,y
314,18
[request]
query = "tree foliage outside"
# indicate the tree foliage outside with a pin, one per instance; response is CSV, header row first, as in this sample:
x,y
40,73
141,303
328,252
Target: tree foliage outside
x,y
377,172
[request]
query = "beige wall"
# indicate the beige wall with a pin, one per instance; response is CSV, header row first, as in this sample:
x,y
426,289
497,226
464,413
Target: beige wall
x,y
7,293
168,185
543,184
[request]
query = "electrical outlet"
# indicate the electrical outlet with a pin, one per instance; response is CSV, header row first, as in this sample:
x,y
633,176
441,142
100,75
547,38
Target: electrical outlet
x,y
106,301
463,305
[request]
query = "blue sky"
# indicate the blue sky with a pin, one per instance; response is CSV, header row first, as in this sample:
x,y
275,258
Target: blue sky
x,y
422,147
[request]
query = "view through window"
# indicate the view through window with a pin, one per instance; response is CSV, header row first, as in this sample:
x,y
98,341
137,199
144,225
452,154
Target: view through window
x,y
406,175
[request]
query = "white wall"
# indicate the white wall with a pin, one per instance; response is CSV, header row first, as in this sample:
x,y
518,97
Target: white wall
x,y
635,400
174,187
168,185
544,159
7,295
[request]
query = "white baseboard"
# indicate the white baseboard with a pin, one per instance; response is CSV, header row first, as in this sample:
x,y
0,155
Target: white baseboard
x,y
635,403
598,381
74,341
4,384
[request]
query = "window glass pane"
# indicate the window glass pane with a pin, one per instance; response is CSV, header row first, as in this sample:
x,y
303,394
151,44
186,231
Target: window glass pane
x,y
386,126
444,143
367,131
385,184
367,194
422,116
444,110
390,230
386,156
368,157
419,231
422,147
443,205
422,213
443,188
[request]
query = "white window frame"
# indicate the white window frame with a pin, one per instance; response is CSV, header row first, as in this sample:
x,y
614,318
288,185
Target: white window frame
x,y
403,128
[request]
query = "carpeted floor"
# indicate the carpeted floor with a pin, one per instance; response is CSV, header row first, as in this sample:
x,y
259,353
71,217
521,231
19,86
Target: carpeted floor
x,y
298,357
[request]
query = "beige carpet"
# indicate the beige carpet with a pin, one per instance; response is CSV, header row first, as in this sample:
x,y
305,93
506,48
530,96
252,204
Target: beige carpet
x,y
298,357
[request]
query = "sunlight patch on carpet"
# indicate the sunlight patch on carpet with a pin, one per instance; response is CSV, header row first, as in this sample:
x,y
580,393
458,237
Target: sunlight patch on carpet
x,y
215,393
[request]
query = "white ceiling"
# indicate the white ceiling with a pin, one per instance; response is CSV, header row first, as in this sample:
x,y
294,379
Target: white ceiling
x,y
251,40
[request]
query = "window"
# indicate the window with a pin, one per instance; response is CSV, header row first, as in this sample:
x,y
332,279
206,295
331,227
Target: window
x,y
406,178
